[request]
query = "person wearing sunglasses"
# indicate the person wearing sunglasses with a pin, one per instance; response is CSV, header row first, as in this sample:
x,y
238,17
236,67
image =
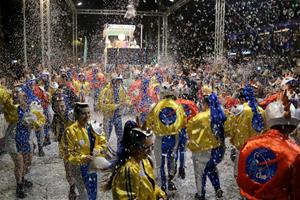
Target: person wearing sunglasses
x,y
132,174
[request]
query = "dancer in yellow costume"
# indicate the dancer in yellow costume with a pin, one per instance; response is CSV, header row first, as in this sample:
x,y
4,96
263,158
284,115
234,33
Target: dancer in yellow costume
x,y
112,100
246,120
82,146
23,116
207,143
166,119
132,172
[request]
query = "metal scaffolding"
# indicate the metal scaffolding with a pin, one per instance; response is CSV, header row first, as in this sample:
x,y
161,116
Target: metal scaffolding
x,y
176,6
117,12
71,5
162,37
170,10
74,29
219,29
158,39
139,13
162,41
45,33
75,39
165,36
24,34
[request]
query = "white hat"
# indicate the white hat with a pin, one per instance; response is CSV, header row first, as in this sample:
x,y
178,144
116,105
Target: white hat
x,y
42,88
81,104
116,77
32,77
287,80
36,106
97,127
54,85
147,132
45,73
166,90
275,113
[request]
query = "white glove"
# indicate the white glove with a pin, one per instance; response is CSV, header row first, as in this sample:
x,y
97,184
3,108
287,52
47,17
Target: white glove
x,y
99,163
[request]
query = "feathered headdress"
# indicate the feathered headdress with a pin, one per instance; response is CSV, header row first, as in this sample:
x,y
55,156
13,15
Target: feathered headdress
x,y
257,120
217,115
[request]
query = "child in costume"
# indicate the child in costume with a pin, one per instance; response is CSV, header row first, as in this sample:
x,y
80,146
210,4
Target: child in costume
x,y
132,172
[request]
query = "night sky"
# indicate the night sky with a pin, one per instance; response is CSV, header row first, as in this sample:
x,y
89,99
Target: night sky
x,y
11,25
190,28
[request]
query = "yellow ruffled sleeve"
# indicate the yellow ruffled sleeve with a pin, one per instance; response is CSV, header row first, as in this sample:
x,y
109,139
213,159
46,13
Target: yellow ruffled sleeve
x,y
125,98
9,109
100,145
5,96
41,120
11,113
105,102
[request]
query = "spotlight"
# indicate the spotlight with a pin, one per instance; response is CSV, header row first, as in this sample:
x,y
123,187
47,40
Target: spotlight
x,y
121,37
79,3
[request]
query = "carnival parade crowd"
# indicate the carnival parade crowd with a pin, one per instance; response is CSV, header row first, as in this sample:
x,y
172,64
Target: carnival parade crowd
x,y
173,109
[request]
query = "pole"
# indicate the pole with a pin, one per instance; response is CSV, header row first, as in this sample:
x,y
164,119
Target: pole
x,y
73,36
219,29
85,50
216,29
105,54
42,33
142,36
163,37
76,39
166,35
222,26
48,36
24,34
158,40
